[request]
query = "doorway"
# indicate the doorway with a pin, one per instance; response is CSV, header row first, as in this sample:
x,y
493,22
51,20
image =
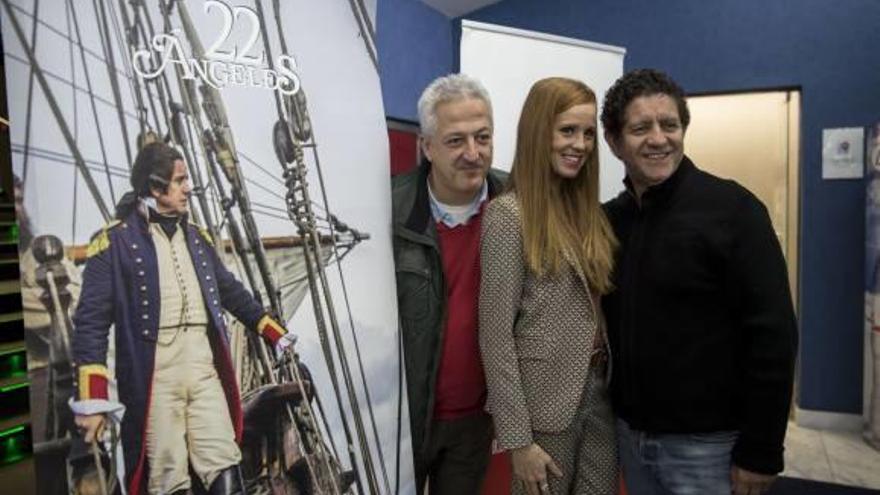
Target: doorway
x,y
753,138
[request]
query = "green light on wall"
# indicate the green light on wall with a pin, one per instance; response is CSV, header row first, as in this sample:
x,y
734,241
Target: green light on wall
x,y
11,431
13,365
15,374
14,444
17,362
10,388
12,350
12,459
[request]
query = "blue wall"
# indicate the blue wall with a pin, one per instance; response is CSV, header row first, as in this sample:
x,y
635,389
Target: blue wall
x,y
830,50
415,46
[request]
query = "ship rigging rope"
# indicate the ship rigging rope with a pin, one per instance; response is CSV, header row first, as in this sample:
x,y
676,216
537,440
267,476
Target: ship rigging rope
x,y
148,32
27,150
56,111
192,119
61,157
66,82
366,28
274,177
119,35
92,103
104,36
66,159
355,406
354,338
212,208
163,75
295,175
180,128
263,169
75,119
178,135
30,93
67,37
126,34
316,301
209,209
219,126
267,191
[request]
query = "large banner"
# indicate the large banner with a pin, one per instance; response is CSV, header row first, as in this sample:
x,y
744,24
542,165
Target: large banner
x,y
872,289
275,108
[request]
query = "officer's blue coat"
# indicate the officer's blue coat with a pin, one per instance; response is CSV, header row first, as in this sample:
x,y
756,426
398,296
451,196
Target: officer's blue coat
x,y
121,288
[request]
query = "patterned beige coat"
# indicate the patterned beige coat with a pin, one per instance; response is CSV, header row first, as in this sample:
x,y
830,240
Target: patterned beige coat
x,y
536,334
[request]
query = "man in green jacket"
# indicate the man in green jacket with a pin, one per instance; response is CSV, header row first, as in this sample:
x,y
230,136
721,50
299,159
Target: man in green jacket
x,y
437,210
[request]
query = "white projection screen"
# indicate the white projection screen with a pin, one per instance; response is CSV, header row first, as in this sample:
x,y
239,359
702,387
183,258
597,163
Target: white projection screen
x,y
508,61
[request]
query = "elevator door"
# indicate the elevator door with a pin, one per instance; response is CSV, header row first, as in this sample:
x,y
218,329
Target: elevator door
x,y
752,138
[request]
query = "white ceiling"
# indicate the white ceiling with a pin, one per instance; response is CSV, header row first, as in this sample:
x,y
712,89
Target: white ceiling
x,y
456,8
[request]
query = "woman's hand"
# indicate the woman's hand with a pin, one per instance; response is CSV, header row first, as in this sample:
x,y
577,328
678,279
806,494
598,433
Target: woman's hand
x,y
532,465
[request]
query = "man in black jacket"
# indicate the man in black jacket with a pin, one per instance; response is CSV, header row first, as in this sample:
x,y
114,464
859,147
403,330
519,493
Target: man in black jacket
x,y
701,324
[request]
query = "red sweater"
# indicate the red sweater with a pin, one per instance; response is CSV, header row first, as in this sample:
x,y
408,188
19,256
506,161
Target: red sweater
x,y
461,385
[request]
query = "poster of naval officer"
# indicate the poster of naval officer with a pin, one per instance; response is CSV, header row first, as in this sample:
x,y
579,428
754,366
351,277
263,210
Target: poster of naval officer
x,y
211,303
872,289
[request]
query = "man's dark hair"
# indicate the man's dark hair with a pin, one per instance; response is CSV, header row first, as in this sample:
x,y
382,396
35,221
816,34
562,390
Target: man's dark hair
x,y
634,84
152,169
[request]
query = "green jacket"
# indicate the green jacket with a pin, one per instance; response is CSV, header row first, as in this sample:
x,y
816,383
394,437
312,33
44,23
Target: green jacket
x,y
421,299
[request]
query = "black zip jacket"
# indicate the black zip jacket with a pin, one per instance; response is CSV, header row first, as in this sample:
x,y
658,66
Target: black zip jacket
x,y
701,322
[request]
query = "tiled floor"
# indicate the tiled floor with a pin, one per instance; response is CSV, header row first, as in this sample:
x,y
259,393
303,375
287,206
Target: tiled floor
x,y
833,456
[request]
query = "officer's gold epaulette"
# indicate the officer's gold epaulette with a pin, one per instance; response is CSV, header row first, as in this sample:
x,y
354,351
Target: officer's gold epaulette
x,y
101,240
203,232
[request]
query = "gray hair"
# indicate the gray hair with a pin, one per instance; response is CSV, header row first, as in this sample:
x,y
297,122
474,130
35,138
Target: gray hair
x,y
445,89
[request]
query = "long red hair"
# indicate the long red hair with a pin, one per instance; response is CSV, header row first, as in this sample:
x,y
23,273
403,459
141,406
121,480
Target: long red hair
x,y
559,214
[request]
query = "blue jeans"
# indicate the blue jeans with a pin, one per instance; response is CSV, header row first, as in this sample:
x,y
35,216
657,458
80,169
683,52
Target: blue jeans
x,y
675,464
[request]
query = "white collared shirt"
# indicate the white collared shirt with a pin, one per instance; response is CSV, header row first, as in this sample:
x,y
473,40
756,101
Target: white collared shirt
x,y
455,215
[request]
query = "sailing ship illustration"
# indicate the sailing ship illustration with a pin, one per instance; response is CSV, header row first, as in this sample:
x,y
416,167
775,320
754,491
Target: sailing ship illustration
x,y
147,74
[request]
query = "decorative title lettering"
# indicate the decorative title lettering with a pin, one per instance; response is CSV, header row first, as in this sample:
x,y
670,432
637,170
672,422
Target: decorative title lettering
x,y
218,68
